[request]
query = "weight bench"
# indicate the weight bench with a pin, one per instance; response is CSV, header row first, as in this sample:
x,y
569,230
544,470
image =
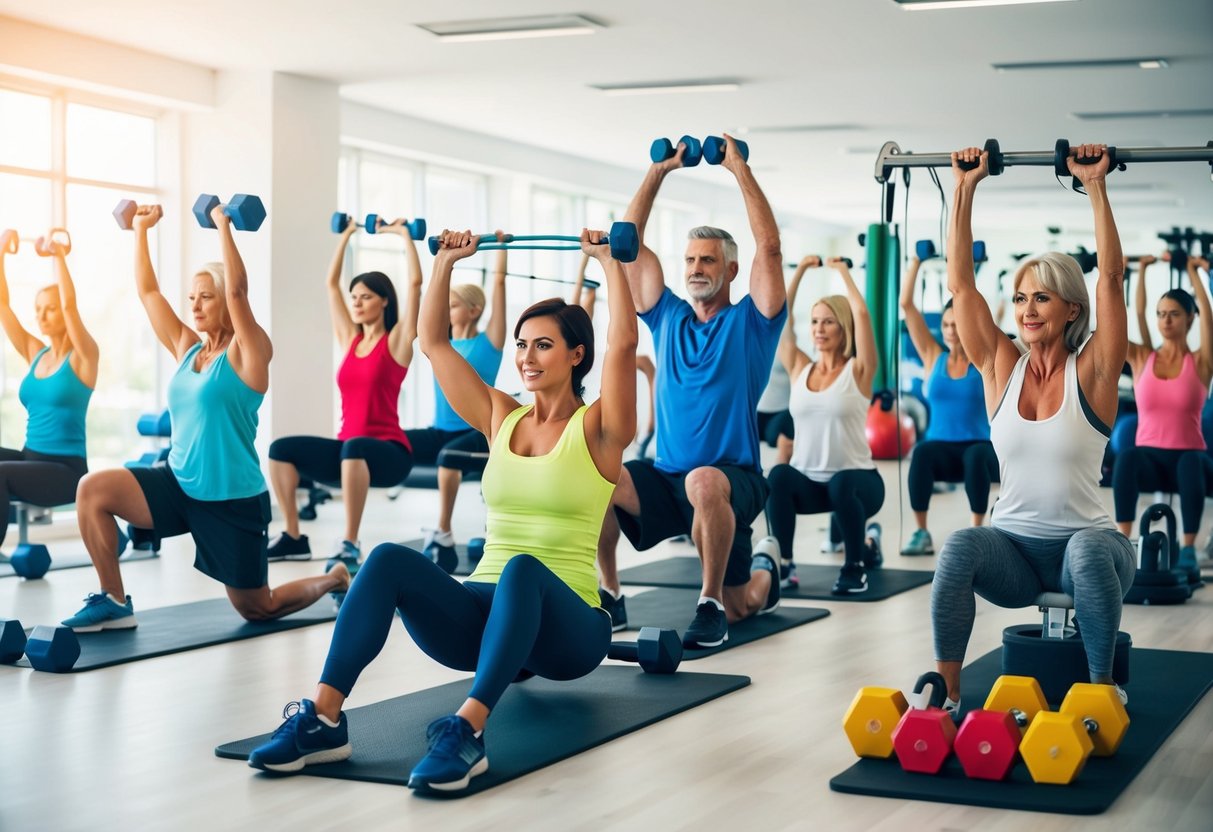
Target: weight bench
x,y
1053,652
159,427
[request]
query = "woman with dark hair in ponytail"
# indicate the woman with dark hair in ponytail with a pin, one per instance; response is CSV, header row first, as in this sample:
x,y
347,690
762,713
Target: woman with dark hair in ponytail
x,y
532,606
1170,384
371,450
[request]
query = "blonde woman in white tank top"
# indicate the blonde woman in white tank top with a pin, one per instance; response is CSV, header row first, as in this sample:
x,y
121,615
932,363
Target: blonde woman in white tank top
x,y
831,468
1050,412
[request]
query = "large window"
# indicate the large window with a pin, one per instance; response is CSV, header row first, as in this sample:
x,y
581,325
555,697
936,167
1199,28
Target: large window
x,y
64,162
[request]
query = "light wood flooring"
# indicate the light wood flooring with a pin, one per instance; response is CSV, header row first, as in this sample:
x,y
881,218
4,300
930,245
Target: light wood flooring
x,y
130,747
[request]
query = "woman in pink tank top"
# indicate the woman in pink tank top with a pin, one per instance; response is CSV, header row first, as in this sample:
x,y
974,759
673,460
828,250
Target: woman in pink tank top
x,y
371,450
1171,385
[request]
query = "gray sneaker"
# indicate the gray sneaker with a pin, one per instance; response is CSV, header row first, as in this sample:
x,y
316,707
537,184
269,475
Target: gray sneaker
x,y
920,544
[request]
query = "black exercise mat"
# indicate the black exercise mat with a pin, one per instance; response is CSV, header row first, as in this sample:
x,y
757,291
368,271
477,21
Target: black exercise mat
x,y
465,567
185,627
1166,685
76,560
536,723
674,609
684,572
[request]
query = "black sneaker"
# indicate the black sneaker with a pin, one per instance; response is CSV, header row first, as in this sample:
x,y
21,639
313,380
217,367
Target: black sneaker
x,y
285,547
851,581
445,556
763,561
709,629
616,608
873,558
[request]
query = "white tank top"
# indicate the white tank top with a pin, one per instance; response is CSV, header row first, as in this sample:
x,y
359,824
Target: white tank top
x,y
830,424
775,396
1050,468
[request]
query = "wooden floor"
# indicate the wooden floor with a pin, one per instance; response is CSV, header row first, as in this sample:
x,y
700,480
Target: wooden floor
x,y
130,747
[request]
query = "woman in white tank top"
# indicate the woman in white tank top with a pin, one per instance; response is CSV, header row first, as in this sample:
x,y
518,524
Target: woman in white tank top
x,y
1050,416
831,468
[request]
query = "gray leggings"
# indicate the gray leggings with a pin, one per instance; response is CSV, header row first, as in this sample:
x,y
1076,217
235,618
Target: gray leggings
x,y
1094,566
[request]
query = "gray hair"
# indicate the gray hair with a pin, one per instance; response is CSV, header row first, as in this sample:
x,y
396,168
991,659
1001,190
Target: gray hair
x,y
1060,274
707,232
215,270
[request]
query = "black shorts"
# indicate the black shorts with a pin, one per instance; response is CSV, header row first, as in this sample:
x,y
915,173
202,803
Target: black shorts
x,y
773,425
665,511
463,450
230,536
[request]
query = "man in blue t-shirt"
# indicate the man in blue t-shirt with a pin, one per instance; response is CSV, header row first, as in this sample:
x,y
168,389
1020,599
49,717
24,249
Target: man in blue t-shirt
x,y
713,360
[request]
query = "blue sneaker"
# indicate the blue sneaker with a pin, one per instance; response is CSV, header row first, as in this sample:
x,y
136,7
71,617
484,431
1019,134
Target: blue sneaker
x,y
101,612
349,554
456,756
302,740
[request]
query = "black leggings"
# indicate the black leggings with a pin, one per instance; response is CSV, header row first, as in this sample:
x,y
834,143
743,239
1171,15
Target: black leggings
x,y
318,458
529,619
1187,473
39,479
853,495
972,463
463,450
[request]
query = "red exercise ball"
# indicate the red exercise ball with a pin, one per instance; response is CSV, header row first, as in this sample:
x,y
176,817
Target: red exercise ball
x,y
881,431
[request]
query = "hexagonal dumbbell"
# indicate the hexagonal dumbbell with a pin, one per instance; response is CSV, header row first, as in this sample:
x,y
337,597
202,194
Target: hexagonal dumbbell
x,y
988,740
12,640
1091,720
662,149
475,549
869,722
246,211
125,213
53,649
924,737
656,650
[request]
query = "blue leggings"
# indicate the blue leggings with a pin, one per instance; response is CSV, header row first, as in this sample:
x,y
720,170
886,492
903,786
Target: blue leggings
x,y
529,620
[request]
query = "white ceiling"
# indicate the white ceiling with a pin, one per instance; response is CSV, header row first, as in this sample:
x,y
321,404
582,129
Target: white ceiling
x,y
923,79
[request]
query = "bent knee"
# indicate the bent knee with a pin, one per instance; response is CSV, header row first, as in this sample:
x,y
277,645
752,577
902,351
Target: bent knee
x,y
705,485
252,610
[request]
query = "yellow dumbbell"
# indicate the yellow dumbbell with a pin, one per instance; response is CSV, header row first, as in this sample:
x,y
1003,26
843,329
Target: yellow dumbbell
x,y
870,720
1092,720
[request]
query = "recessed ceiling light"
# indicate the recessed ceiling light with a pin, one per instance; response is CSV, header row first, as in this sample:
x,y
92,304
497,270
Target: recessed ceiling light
x,y
512,28
926,5
669,87
1103,63
1104,116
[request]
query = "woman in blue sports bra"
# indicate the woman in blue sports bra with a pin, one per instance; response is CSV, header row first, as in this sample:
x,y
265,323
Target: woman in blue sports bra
x,y
212,487
56,390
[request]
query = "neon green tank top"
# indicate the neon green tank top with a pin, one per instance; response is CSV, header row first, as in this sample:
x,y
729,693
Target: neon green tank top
x,y
549,506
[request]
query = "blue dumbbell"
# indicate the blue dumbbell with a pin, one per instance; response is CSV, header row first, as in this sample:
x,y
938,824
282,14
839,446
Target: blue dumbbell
x,y
475,549
30,560
12,640
246,211
662,149
416,227
53,649
714,148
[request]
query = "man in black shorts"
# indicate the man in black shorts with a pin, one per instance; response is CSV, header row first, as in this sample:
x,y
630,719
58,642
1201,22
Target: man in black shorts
x,y
713,361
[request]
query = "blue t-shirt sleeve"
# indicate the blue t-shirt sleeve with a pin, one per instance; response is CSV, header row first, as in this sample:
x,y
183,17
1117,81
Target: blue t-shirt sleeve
x,y
662,312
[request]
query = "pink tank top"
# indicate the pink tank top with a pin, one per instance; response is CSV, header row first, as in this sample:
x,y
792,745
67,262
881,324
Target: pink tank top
x,y
370,392
1168,410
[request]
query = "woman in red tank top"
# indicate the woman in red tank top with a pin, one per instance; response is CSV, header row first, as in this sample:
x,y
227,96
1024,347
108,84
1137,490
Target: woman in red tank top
x,y
1171,385
371,450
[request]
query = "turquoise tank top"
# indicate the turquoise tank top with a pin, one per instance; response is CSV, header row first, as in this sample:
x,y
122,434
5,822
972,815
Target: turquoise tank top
x,y
549,506
57,406
214,416
485,360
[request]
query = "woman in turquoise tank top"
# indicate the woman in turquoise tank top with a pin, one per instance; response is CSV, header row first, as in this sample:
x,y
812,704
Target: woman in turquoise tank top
x,y
212,487
56,390
531,607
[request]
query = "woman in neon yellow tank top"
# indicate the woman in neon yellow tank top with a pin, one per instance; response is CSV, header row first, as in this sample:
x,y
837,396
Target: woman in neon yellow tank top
x,y
531,607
